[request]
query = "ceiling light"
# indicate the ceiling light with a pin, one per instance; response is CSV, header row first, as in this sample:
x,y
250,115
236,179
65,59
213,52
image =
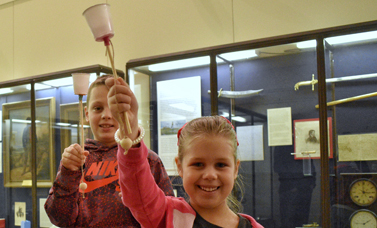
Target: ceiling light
x,y
68,81
63,124
235,118
24,121
239,119
38,86
184,63
59,82
6,90
239,55
352,38
307,44
201,61
340,39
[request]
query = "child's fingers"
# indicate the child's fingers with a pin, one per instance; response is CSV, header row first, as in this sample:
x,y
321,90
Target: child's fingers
x,y
73,157
110,82
86,153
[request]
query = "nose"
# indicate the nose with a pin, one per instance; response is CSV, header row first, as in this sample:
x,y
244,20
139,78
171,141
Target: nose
x,y
210,173
106,114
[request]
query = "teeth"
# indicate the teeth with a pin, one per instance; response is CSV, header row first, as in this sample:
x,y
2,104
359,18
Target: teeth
x,y
208,189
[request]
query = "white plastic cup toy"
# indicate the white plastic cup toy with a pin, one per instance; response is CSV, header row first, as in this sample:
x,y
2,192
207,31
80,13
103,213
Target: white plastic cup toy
x,y
99,21
80,83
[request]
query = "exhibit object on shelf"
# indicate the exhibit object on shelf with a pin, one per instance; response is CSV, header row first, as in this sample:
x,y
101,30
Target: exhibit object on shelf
x,y
332,80
237,94
18,146
19,213
44,220
178,101
306,162
363,192
363,218
251,146
306,135
2,222
357,147
349,99
279,122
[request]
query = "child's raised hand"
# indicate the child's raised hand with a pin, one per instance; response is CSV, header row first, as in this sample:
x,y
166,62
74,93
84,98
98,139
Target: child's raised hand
x,y
73,157
121,99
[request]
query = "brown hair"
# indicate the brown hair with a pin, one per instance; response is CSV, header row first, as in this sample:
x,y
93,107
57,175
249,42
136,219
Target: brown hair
x,y
215,126
99,81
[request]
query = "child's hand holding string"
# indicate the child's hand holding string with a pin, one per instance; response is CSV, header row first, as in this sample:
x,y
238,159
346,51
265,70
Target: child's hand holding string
x,y
121,99
73,157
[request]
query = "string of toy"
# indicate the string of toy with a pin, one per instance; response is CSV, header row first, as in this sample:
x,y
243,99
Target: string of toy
x,y
126,142
83,185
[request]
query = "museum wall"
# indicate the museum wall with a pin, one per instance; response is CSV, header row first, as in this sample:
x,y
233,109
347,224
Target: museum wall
x,y
45,36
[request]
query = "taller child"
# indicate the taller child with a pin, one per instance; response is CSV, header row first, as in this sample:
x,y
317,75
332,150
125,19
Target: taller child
x,y
207,163
102,205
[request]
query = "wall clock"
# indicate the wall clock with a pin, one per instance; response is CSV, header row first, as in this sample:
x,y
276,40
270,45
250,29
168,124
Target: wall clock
x,y
363,219
363,192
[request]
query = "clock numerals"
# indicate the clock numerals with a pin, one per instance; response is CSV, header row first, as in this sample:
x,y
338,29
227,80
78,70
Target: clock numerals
x,y
363,192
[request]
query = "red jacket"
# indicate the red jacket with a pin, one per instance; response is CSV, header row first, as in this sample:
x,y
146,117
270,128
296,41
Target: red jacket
x,y
102,206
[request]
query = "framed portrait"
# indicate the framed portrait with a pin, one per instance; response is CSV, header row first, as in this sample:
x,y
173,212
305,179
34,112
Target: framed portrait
x,y
306,135
70,125
17,143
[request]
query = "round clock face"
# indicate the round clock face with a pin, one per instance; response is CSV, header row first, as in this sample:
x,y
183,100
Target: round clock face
x,y
363,219
363,192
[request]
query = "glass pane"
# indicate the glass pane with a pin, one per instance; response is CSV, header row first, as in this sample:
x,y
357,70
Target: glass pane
x,y
272,119
175,96
56,124
178,93
351,80
16,153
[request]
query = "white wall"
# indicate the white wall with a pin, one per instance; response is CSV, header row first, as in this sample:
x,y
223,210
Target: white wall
x,y
44,36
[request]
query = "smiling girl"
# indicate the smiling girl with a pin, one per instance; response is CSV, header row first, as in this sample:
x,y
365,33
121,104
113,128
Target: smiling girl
x,y
207,163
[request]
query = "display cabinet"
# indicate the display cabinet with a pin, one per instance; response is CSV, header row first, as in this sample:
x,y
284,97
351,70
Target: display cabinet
x,y
39,118
303,106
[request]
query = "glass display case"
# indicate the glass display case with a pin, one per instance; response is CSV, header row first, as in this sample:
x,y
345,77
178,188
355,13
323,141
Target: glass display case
x,y
40,117
303,106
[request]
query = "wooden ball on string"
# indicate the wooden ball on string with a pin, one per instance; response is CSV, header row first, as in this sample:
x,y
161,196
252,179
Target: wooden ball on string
x,y
126,143
83,186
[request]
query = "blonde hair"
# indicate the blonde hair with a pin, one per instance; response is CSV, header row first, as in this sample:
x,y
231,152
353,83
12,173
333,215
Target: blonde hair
x,y
98,82
214,126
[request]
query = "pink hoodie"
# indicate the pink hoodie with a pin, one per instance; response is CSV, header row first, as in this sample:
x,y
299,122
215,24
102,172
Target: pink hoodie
x,y
147,202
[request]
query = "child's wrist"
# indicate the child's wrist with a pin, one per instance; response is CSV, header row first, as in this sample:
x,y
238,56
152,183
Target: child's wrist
x,y
134,142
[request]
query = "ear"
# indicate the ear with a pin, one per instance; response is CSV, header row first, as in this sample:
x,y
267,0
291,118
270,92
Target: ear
x,y
236,168
179,166
86,114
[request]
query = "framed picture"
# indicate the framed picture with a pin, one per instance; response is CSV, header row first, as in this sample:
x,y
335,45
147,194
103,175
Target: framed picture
x,y
70,125
17,143
306,135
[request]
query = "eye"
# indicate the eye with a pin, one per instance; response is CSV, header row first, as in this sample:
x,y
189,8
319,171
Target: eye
x,y
197,164
97,108
221,165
